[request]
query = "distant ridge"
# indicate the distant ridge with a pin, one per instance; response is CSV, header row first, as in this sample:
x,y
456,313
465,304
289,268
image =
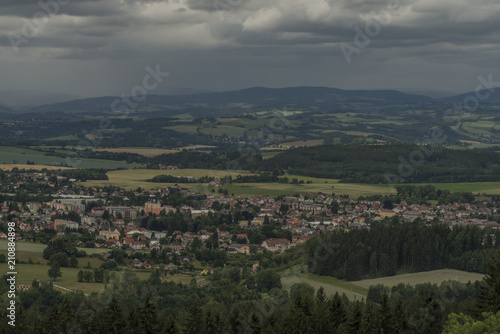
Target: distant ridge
x,y
256,97
493,96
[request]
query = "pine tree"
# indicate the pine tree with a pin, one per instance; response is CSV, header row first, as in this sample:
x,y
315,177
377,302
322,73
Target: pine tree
x,y
149,317
87,318
112,319
354,319
400,316
193,324
370,321
337,310
488,298
170,326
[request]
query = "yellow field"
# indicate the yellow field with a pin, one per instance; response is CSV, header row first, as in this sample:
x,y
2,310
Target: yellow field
x,y
353,133
299,143
133,178
152,152
35,167
147,152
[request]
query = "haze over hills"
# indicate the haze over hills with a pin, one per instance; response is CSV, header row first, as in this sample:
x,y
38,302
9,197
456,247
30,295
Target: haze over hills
x,y
234,102
252,97
493,96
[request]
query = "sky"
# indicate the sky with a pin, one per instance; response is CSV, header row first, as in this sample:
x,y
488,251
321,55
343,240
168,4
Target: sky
x,y
90,48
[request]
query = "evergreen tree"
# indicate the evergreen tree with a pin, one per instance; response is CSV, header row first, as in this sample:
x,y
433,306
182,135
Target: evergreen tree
x,y
87,318
488,298
112,319
193,325
170,326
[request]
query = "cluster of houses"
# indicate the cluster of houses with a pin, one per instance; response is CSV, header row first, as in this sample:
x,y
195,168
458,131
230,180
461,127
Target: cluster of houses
x,y
304,215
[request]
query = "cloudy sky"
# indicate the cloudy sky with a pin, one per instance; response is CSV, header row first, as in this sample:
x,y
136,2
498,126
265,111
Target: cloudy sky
x,y
102,47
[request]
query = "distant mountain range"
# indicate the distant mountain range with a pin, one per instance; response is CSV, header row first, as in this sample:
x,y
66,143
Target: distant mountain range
x,y
493,97
319,97
251,97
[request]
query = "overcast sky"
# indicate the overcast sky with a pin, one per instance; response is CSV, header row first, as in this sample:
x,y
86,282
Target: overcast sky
x,y
101,47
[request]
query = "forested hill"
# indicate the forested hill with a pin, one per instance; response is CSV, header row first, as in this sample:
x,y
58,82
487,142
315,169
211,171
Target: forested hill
x,y
241,99
386,248
370,163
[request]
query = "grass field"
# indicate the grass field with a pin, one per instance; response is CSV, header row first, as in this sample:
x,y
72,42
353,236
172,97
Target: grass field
x,y
299,143
359,289
10,155
474,187
219,130
434,277
131,179
39,269
34,167
330,284
191,129
152,152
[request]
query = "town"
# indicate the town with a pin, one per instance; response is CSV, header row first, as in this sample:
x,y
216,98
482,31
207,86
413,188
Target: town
x,y
178,219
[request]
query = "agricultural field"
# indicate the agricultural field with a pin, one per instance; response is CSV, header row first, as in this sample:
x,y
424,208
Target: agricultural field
x,y
492,188
275,189
299,143
433,276
220,130
331,285
34,167
10,155
358,289
147,152
39,268
132,179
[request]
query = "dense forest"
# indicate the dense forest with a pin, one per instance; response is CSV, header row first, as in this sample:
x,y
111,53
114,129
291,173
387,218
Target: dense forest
x,y
228,304
405,162
387,248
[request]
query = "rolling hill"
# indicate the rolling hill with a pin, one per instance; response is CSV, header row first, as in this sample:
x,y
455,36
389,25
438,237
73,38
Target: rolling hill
x,y
251,97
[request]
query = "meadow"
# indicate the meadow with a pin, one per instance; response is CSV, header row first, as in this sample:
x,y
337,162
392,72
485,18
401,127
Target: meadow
x,y
151,152
10,155
359,289
26,272
132,179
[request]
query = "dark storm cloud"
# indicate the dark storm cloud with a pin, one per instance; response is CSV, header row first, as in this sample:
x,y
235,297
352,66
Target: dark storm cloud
x,y
222,44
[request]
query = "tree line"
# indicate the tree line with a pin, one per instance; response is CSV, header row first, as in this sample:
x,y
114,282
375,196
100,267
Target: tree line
x,y
387,248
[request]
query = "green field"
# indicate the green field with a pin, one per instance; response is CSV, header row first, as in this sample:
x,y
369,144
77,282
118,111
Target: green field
x,y
131,179
219,130
433,276
16,155
359,289
39,269
27,250
474,187
331,285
